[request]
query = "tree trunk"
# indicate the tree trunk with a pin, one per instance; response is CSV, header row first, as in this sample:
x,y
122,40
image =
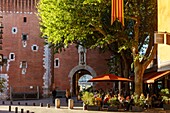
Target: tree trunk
x,y
139,71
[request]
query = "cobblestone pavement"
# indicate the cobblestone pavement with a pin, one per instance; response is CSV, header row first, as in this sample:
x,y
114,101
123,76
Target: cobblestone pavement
x,y
33,106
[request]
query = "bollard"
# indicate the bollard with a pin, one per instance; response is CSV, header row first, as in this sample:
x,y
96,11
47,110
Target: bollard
x,y
18,103
28,111
48,105
41,104
70,104
22,110
3,102
57,103
33,104
9,108
16,109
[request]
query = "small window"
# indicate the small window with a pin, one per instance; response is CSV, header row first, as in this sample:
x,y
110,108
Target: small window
x,y
24,37
14,30
25,19
12,56
168,39
34,48
159,38
1,59
23,64
56,63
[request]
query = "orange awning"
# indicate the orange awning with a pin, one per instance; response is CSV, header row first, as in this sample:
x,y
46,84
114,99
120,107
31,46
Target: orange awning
x,y
153,76
108,78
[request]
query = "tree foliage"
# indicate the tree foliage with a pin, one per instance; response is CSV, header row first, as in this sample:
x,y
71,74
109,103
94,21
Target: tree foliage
x,y
87,22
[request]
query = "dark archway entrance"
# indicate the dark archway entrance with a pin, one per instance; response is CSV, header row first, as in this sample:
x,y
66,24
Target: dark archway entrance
x,y
75,81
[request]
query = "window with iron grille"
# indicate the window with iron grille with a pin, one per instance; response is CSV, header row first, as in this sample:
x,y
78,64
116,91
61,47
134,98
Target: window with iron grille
x,y
23,64
24,37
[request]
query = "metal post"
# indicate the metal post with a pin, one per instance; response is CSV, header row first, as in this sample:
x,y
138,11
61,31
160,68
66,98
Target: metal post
x,y
41,104
48,105
57,103
22,110
70,104
16,109
10,93
9,108
38,93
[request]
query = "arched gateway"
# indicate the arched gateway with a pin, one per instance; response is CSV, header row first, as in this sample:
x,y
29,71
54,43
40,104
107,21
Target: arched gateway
x,y
75,75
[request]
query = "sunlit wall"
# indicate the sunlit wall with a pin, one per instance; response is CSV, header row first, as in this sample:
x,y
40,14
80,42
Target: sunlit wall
x,y
163,15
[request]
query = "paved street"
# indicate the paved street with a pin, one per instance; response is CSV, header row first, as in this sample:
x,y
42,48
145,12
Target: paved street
x,y
33,106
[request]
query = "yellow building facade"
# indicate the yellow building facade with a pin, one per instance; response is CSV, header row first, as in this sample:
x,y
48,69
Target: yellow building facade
x,y
163,15
162,36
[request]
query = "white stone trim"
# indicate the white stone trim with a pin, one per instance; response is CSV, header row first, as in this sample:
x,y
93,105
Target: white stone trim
x,y
47,67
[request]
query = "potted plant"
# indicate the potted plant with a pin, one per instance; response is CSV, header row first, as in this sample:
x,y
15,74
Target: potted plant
x,y
113,104
139,102
89,101
165,94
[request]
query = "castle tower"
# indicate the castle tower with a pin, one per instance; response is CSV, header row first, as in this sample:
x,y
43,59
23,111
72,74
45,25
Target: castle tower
x,y
27,59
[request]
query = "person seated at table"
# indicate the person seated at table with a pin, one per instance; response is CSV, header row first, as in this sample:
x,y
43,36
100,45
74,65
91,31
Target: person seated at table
x,y
127,103
106,99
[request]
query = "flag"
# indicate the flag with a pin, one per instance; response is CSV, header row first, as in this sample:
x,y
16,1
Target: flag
x,y
117,11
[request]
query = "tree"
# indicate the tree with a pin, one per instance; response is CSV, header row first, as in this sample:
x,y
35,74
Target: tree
x,y
87,22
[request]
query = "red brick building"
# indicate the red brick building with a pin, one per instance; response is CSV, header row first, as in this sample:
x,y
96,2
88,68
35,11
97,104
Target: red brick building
x,y
28,65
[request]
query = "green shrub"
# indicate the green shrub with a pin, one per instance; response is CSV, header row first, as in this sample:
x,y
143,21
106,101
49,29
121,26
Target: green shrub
x,y
88,98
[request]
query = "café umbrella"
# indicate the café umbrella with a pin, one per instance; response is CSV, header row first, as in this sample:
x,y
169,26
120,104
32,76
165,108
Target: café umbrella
x,y
108,78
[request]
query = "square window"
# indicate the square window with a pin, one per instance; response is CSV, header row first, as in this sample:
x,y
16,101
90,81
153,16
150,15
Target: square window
x,y
24,37
23,64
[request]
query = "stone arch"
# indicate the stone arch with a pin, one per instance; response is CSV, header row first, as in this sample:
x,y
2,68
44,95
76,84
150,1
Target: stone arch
x,y
77,68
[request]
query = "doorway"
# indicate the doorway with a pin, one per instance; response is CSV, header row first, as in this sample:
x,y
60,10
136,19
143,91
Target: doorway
x,y
79,81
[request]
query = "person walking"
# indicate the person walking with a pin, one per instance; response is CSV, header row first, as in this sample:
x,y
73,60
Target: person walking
x,y
68,95
54,92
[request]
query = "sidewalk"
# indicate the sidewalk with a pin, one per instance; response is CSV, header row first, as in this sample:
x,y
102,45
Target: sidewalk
x,y
34,107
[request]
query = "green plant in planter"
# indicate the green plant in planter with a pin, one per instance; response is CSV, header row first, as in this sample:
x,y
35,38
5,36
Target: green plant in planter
x,y
113,101
88,98
165,94
2,84
139,100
